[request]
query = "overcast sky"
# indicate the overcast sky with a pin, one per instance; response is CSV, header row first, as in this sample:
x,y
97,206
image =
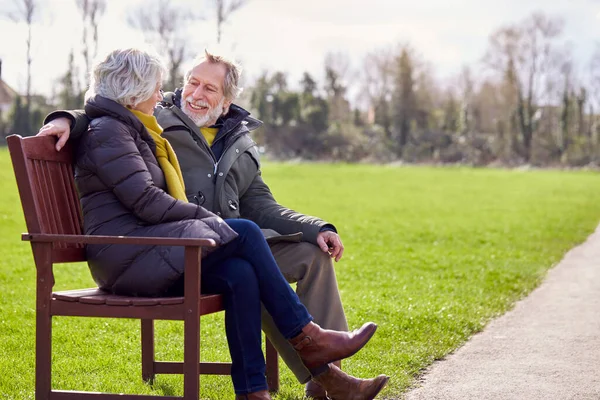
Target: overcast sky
x,y
295,35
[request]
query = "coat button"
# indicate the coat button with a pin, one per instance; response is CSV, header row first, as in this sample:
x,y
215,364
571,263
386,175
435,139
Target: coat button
x,y
209,175
218,213
220,174
237,150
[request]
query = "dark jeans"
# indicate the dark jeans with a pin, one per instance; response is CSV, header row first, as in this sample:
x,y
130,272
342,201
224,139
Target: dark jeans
x,y
245,272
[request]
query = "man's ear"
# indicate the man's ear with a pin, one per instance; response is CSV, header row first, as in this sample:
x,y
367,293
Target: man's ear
x,y
226,107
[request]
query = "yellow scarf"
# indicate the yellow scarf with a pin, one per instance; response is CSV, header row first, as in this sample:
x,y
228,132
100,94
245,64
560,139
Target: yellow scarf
x,y
165,155
209,134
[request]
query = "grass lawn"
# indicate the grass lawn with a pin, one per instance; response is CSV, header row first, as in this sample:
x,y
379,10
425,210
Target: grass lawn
x,y
432,254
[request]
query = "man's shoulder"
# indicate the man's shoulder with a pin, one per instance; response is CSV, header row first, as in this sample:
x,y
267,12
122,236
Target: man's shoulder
x,y
239,116
169,115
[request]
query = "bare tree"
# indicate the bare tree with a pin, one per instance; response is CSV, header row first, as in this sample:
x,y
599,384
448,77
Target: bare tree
x,y
466,88
224,10
164,23
337,69
378,81
525,55
594,103
26,11
404,98
90,11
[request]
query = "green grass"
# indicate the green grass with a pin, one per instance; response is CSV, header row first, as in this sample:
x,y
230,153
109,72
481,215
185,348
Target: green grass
x,y
432,254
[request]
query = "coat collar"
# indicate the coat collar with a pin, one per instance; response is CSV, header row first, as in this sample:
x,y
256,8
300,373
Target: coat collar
x,y
98,106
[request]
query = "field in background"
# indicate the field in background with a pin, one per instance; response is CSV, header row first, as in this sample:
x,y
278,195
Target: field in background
x,y
432,254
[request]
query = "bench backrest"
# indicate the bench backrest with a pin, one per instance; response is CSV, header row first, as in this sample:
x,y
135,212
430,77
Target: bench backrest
x,y
47,190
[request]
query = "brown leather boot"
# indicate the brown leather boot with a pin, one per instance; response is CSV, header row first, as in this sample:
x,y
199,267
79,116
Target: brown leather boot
x,y
262,395
315,391
341,386
318,347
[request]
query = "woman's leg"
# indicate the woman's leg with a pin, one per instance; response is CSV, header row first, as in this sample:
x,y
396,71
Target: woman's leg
x,y
235,279
279,299
315,346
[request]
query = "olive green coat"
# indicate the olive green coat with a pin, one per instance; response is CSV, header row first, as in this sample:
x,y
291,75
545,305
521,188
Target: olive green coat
x,y
232,186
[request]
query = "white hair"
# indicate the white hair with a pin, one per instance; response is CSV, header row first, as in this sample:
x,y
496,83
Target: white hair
x,y
231,88
127,76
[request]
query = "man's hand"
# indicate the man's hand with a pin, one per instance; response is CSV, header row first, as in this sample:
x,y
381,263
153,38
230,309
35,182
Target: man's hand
x,y
59,127
331,243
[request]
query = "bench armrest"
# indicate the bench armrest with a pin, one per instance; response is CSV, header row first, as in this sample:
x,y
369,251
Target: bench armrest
x,y
97,239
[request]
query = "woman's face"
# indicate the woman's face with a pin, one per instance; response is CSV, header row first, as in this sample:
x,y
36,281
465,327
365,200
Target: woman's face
x,y
147,106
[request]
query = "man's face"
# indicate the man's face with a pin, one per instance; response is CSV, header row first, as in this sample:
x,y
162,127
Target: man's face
x,y
203,99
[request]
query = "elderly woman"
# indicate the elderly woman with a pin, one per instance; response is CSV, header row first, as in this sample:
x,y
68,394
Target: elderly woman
x,y
130,183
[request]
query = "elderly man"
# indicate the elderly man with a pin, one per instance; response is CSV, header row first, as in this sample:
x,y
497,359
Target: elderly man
x,y
221,169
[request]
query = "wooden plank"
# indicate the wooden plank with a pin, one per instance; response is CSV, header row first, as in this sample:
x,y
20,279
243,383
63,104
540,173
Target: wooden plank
x,y
92,299
75,253
19,163
77,309
72,395
42,148
205,368
98,239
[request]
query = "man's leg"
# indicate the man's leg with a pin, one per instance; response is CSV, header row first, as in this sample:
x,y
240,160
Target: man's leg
x,y
312,270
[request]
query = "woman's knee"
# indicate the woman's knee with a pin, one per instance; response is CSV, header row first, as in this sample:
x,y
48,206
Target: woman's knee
x,y
243,226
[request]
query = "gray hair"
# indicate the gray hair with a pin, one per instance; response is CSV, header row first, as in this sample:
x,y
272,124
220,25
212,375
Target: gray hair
x,y
233,72
127,76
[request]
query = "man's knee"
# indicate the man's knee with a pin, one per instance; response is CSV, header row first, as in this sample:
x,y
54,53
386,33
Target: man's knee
x,y
318,266
302,261
318,258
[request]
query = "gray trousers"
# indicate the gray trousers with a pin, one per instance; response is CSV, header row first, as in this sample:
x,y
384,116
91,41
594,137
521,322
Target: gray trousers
x,y
312,270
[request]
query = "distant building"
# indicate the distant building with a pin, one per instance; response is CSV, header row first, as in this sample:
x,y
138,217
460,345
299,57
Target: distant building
x,y
7,94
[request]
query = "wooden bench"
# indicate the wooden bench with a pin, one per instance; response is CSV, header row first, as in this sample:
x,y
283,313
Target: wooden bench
x,y
54,223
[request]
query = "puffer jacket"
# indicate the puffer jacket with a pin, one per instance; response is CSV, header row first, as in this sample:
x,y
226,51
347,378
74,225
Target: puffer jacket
x,y
122,192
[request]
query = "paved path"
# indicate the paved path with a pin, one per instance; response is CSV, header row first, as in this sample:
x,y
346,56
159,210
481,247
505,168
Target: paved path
x,y
547,347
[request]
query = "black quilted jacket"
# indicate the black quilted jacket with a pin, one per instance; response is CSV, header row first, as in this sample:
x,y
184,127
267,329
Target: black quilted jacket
x,y
122,192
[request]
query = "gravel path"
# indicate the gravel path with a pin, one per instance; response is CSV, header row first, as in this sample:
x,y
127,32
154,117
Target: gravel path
x,y
546,348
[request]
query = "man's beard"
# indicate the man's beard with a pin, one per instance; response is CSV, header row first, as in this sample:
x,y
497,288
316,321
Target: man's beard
x,y
202,121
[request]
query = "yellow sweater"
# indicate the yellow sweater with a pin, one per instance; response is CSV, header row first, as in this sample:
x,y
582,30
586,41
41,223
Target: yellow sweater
x,y
209,134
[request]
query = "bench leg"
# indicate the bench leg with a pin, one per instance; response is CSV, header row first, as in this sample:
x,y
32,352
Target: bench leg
x,y
148,374
43,355
43,320
272,367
